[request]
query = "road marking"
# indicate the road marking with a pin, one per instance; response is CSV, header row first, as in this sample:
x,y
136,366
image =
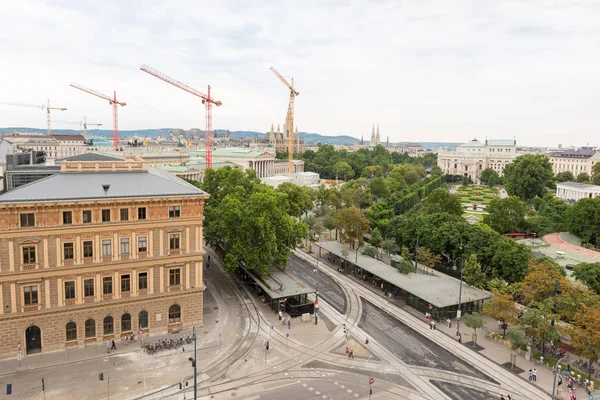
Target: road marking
x,y
349,390
317,393
355,394
304,385
298,381
343,387
311,388
335,383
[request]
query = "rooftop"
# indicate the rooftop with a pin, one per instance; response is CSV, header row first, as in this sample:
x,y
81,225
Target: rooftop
x,y
439,290
237,152
66,186
279,285
91,156
577,185
583,152
472,143
501,142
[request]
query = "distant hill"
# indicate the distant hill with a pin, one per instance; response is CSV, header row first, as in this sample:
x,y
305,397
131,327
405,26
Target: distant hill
x,y
309,138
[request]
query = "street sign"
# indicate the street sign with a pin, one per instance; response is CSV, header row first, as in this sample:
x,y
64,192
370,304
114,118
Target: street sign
x,y
287,335
371,381
458,314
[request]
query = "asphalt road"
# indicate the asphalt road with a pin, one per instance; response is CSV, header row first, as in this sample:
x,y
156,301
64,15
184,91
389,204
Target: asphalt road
x,y
408,345
329,289
457,392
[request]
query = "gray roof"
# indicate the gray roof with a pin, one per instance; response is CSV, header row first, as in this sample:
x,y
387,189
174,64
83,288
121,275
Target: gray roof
x,y
439,290
279,285
91,156
500,142
66,186
583,152
578,185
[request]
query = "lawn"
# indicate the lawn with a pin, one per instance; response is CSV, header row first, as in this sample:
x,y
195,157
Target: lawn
x,y
476,194
476,215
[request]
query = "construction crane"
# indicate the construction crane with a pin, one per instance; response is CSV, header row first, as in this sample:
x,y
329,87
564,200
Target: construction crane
x,y
47,108
112,101
293,94
85,125
206,100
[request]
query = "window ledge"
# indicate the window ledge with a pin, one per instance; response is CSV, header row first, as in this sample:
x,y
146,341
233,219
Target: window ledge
x,y
107,297
28,267
69,262
174,288
34,307
174,252
88,260
125,256
69,302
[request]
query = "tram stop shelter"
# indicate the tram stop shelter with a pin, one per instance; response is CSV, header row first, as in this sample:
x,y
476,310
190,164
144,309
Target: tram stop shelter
x,y
437,294
281,291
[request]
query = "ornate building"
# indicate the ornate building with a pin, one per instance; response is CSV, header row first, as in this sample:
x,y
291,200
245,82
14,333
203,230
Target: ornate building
x,y
577,161
280,140
96,252
375,138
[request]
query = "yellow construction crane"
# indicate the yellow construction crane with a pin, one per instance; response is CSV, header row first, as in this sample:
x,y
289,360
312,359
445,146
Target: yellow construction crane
x,y
85,125
47,108
293,94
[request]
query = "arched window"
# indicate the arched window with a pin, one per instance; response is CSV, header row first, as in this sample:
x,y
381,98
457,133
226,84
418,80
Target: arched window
x,y
71,331
90,328
174,313
143,319
108,325
126,323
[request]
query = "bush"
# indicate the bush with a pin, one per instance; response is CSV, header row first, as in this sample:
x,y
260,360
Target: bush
x,y
405,266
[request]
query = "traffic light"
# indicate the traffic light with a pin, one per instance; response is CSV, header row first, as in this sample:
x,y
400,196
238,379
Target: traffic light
x,y
43,385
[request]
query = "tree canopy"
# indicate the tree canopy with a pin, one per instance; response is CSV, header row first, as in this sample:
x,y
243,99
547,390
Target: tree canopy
x,y
583,219
565,176
249,220
508,215
442,201
490,177
527,176
588,273
472,273
502,308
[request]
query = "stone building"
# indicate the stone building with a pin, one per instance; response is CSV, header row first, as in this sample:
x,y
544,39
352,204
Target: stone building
x,y
573,191
470,159
96,252
577,161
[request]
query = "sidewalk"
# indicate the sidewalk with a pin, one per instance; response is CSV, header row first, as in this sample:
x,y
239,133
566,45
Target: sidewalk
x,y
492,350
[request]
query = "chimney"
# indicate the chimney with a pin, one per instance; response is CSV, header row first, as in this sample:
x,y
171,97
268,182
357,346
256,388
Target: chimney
x,y
106,186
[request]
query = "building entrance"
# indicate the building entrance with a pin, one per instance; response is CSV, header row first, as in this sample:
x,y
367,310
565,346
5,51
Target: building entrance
x,y
33,340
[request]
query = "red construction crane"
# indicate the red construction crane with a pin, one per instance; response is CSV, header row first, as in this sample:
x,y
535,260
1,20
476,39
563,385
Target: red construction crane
x,y
206,99
114,102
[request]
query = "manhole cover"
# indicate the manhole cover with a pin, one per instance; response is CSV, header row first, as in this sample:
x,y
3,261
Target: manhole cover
x,y
233,394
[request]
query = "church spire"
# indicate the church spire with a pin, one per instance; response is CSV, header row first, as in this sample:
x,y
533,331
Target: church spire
x,y
377,137
372,141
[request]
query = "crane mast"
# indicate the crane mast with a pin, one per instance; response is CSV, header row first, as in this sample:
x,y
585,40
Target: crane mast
x,y
47,108
207,100
293,94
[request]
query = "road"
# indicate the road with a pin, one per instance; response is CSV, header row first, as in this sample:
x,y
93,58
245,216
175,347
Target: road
x,y
409,346
329,290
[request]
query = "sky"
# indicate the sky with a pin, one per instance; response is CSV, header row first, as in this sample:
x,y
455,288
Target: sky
x,y
424,70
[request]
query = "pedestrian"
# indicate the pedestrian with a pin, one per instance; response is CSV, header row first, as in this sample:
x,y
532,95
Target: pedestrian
x,y
459,337
430,325
114,346
509,398
502,397
351,353
573,396
108,346
534,375
347,351
530,375
433,324
367,341
280,315
267,346
395,294
289,322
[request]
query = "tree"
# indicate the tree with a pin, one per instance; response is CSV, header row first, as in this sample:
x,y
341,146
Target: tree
x,y
551,214
517,338
510,259
405,267
537,323
588,273
585,334
348,221
499,285
565,176
376,237
299,198
489,177
583,177
472,273
583,219
343,170
405,254
389,246
370,251
379,188
507,215
474,321
356,193
329,222
502,308
249,221
544,278
440,201
527,176
427,258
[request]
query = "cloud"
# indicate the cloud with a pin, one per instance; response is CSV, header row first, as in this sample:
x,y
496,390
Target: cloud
x,y
426,70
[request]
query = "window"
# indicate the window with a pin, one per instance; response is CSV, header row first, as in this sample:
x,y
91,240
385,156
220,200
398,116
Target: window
x,y
174,277
31,295
142,244
143,319
143,281
105,215
174,313
70,290
124,214
174,241
88,288
71,331
108,325
27,220
125,283
88,249
67,217
126,323
107,285
124,245
174,211
141,212
106,248
87,217
28,254
90,328
68,251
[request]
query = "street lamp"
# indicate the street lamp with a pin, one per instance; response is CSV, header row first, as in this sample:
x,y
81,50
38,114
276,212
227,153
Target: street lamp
x,y
462,264
317,293
556,371
193,361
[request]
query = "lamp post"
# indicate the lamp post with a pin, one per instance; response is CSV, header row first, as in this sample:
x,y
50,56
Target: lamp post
x,y
317,293
193,360
462,264
556,372
357,244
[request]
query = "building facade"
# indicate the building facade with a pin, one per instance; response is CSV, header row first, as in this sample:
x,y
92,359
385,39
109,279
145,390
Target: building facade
x,y
96,252
470,159
573,191
55,146
577,161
